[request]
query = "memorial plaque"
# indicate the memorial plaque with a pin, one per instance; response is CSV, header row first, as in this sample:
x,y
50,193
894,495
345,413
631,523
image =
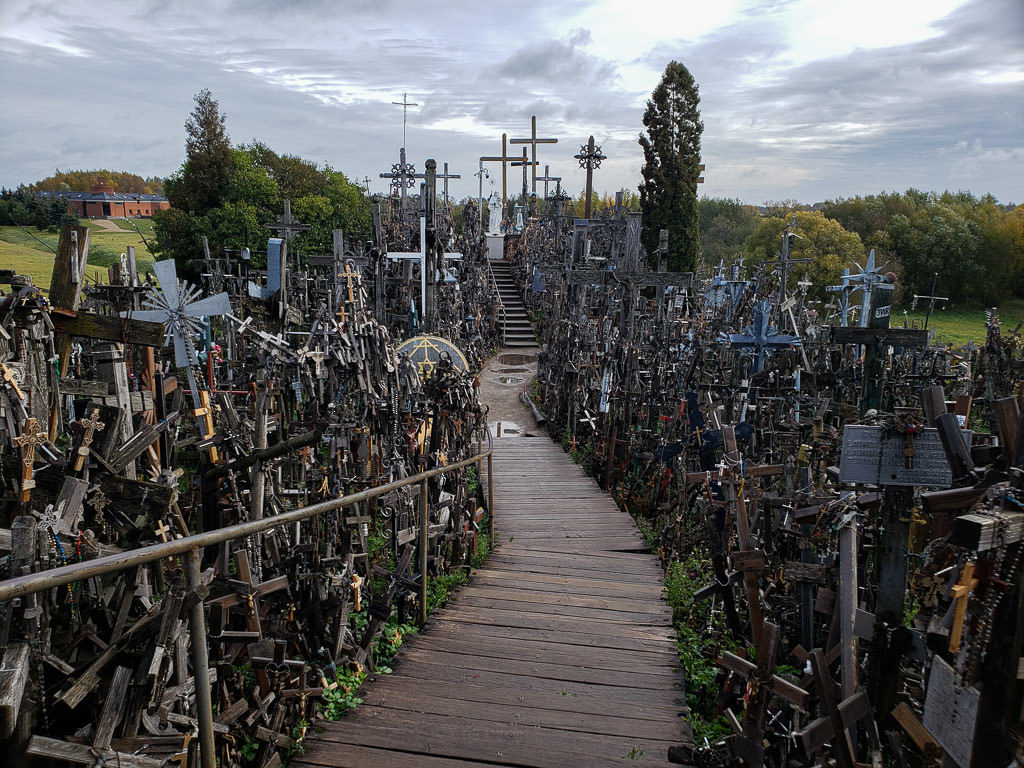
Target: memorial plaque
x,y
951,712
868,458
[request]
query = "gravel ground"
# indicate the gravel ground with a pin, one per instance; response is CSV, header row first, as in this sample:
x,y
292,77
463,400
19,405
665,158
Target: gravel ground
x,y
502,379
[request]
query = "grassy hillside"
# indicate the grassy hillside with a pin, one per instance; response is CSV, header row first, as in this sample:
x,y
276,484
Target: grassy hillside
x,y
958,326
29,251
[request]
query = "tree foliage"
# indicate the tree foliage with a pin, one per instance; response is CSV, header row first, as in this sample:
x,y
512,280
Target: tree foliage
x,y
251,195
725,226
821,239
668,193
974,244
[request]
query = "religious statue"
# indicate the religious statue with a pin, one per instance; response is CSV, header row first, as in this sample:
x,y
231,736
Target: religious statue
x,y
494,208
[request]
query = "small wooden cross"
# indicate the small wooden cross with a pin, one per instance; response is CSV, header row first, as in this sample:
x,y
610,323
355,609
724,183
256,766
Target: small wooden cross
x,y
11,381
206,414
162,530
961,592
90,425
29,438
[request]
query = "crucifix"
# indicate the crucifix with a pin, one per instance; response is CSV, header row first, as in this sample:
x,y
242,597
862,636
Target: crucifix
x,y
181,310
504,159
28,440
590,157
91,425
546,178
404,104
403,176
961,592
533,141
447,176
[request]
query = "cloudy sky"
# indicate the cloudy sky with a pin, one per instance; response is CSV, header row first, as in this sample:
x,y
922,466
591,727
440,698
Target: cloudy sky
x,y
801,99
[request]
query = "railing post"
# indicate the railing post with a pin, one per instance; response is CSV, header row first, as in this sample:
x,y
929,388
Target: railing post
x,y
200,663
490,496
424,531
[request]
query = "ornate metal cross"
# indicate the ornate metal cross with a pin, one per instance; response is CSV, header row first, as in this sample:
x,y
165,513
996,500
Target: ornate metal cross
x,y
760,337
403,176
590,157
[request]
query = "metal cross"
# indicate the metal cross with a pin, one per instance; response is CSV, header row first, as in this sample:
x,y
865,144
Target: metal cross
x,y
870,279
533,141
761,337
287,225
402,176
404,104
783,261
447,176
931,301
590,157
546,178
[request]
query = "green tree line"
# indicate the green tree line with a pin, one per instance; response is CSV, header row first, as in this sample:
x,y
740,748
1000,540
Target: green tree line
x,y
229,194
974,244
22,207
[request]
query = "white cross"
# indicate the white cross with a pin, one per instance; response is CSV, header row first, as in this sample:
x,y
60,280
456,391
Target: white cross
x,y
421,257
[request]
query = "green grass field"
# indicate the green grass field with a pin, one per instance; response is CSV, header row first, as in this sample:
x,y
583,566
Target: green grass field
x,y
957,326
30,252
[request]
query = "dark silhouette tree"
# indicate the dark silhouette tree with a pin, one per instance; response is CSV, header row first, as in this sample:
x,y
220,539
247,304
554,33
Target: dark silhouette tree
x,y
668,193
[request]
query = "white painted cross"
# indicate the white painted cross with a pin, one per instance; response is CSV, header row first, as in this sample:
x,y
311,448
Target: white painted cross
x,y
420,256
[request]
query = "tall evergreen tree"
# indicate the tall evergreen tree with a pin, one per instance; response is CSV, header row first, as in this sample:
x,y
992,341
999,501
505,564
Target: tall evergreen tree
x,y
201,182
668,194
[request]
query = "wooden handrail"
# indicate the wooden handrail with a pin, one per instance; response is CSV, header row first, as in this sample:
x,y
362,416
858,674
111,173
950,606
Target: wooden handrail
x,y
67,574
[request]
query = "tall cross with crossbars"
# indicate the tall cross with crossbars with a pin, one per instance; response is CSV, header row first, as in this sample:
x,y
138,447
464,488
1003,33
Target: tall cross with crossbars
x,y
504,159
533,141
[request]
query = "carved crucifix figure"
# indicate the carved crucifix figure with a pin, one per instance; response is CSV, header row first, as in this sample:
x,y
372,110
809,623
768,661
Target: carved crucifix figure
x,y
28,440
91,425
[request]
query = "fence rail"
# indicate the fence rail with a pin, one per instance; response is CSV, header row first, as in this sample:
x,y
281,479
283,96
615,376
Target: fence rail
x,y
190,547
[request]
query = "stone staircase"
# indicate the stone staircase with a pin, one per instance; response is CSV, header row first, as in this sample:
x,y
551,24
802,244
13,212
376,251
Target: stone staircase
x,y
518,329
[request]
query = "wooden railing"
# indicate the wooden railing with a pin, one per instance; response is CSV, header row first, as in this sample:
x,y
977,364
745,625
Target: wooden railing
x,y
191,547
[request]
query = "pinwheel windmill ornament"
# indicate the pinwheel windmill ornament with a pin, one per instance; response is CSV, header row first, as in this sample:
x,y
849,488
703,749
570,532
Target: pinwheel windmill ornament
x,y
178,305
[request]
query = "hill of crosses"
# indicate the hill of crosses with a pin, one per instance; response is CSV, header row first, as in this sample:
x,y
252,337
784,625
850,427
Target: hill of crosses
x,y
512,486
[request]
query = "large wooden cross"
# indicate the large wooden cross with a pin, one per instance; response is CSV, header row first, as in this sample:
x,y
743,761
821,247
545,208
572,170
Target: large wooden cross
x,y
533,141
504,159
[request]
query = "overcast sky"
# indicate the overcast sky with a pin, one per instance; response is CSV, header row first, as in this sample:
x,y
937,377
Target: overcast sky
x,y
801,99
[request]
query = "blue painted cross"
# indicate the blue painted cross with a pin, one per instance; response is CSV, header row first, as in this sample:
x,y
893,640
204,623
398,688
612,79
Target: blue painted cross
x,y
761,338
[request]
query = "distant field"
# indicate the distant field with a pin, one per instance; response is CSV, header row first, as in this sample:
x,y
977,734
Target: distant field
x,y
30,252
958,326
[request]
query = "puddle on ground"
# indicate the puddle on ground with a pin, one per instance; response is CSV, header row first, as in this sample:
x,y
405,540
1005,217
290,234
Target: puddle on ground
x,y
511,379
516,359
513,370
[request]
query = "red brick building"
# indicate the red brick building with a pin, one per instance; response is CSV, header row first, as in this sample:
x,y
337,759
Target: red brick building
x,y
102,202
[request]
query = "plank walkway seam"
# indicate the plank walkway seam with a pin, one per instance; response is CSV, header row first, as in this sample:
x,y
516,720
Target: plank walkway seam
x,y
560,650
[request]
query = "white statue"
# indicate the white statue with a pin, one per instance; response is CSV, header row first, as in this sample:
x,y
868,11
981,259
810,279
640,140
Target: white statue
x,y
494,208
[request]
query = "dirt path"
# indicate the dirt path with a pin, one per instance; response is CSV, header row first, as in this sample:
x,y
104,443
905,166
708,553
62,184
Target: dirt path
x,y
502,379
108,225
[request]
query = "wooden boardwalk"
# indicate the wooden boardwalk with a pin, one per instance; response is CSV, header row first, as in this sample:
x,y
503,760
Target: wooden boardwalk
x,y
560,652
